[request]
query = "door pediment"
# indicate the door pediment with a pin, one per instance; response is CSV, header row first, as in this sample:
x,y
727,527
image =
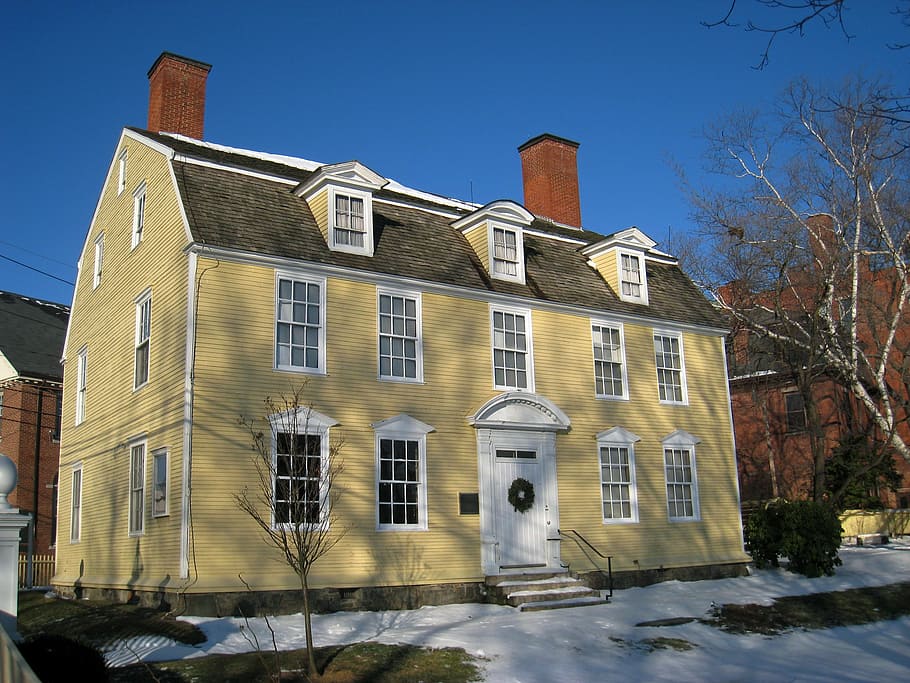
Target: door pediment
x,y
520,410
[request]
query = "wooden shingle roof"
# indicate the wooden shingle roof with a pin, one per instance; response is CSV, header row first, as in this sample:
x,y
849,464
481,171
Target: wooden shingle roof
x,y
413,237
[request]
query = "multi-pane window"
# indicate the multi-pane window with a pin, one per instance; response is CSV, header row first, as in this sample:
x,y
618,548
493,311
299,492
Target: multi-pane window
x,y
143,339
399,337
616,481
609,369
631,275
399,482
76,505
81,370
121,172
511,350
679,466
505,252
159,483
138,215
99,260
298,479
670,369
350,228
137,488
796,411
299,325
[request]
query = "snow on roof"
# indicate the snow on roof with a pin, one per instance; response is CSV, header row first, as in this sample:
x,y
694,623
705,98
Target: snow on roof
x,y
307,165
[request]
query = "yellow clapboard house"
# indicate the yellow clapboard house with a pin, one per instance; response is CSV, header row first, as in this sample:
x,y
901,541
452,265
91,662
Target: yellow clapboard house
x,y
459,359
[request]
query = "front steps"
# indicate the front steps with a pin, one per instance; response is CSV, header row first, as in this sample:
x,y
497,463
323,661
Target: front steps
x,y
535,592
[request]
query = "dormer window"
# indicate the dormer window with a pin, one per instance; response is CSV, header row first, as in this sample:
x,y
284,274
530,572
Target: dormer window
x,y
341,199
349,227
630,276
496,232
505,253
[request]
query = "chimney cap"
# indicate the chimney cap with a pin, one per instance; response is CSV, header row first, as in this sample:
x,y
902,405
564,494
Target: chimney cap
x,y
179,58
547,136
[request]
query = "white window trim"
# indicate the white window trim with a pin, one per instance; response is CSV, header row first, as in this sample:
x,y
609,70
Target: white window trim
x,y
682,367
622,351
643,274
320,369
76,511
161,453
681,440
526,312
99,261
136,444
140,302
121,172
405,428
418,379
140,210
519,247
618,437
367,198
305,421
81,383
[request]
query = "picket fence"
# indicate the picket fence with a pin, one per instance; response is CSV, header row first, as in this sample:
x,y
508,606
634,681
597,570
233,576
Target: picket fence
x,y
42,569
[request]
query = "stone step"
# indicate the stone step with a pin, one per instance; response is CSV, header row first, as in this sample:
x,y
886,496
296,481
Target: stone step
x,y
544,575
562,604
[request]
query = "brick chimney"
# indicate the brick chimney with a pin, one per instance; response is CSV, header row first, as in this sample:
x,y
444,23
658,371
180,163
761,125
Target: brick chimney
x,y
177,95
550,172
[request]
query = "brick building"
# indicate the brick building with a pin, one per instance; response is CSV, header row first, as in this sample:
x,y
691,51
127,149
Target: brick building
x,y
31,344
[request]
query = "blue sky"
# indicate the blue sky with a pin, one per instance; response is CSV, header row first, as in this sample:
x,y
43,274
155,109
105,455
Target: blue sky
x,y
436,95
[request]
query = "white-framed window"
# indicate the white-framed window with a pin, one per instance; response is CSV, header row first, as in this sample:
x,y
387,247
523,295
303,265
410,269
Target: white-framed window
x,y
351,221
99,260
513,361
143,339
138,215
76,504
301,474
121,172
506,253
400,345
81,373
633,282
137,488
610,377
795,408
401,486
300,324
619,494
681,476
671,368
160,473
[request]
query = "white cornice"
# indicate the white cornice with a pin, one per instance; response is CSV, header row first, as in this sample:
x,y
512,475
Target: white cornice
x,y
383,280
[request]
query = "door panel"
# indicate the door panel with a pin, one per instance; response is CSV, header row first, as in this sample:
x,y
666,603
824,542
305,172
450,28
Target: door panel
x,y
522,535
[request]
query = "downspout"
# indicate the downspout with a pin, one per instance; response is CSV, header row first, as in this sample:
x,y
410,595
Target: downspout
x,y
33,527
188,384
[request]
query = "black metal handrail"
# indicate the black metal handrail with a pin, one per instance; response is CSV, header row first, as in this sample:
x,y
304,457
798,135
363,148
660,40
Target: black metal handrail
x,y
579,539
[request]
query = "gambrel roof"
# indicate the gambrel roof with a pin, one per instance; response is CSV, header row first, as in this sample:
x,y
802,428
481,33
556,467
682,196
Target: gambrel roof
x,y
244,201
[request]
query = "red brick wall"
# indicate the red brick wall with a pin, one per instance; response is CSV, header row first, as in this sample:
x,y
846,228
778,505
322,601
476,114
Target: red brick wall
x,y
549,169
177,96
17,440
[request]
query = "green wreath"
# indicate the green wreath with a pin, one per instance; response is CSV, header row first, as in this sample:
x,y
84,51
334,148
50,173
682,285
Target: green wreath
x,y
521,494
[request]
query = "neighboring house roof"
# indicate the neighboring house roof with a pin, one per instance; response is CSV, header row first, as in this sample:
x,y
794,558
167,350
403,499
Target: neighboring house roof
x,y
413,235
31,337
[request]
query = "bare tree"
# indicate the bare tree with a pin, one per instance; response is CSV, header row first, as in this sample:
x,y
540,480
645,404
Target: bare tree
x,y
293,500
774,18
804,242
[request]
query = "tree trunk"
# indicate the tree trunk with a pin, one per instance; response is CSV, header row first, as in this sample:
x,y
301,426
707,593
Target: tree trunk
x,y
308,624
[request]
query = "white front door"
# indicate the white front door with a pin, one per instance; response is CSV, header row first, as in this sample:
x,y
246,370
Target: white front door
x,y
522,535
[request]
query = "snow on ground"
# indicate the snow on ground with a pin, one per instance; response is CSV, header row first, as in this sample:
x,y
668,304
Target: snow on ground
x,y
602,642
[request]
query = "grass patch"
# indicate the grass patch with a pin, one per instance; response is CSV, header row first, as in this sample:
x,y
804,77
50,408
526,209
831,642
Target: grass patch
x,y
820,610
652,644
358,663
100,624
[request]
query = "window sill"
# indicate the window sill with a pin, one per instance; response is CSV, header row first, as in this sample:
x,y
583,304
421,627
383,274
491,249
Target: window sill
x,y
607,397
620,522
299,371
400,380
406,529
